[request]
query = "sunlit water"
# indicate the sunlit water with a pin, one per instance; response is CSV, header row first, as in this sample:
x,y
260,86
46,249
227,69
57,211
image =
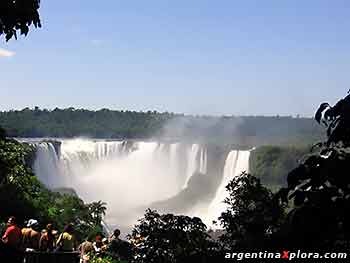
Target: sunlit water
x,y
131,176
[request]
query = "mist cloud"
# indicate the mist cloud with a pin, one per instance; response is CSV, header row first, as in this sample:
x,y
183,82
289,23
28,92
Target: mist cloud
x,y
200,129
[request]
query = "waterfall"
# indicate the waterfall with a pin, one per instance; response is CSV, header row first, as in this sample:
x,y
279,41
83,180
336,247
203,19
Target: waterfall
x,y
236,163
46,164
175,161
126,174
108,149
174,156
203,161
131,175
197,162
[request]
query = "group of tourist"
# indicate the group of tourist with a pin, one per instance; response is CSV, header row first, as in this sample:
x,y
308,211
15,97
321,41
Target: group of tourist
x,y
29,239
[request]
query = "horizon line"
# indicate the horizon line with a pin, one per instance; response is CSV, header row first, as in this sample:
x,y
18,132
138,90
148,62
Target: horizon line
x,y
177,114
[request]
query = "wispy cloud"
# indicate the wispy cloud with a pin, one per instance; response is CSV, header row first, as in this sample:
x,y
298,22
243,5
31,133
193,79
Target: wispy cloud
x,y
6,53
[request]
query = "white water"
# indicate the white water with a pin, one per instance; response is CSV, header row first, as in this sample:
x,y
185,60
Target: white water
x,y
175,161
236,163
127,178
203,161
197,162
130,177
47,166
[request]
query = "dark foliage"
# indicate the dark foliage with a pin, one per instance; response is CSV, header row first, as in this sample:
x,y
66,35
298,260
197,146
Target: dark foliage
x,y
320,186
18,15
252,214
2,133
337,121
170,238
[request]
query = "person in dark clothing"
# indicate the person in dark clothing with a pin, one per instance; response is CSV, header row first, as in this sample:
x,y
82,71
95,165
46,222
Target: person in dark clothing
x,y
47,239
119,249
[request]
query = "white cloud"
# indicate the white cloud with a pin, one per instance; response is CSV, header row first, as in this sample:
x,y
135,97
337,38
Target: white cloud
x,y
6,53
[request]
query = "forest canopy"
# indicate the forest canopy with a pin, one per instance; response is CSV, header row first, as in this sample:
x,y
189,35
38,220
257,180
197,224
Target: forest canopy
x,y
105,123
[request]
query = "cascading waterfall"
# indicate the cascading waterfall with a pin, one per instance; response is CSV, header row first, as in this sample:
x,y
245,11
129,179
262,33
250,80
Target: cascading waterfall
x,y
108,149
175,161
127,175
174,157
236,163
47,168
131,175
203,161
197,162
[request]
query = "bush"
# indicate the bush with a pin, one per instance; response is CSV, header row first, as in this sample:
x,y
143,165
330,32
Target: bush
x,y
171,238
252,213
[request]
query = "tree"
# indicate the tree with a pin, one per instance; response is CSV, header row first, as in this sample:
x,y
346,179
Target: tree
x,y
271,164
171,238
18,186
12,160
319,186
2,133
18,15
66,208
128,124
97,211
252,213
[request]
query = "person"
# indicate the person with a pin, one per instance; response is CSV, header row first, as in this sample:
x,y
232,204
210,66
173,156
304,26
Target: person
x,y
104,244
86,250
66,241
12,236
56,235
117,248
47,239
115,235
98,244
30,237
11,241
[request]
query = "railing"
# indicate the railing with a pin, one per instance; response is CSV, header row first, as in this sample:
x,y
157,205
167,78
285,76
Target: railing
x,y
54,257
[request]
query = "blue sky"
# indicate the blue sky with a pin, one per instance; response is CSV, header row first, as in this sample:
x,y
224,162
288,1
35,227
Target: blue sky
x,y
187,56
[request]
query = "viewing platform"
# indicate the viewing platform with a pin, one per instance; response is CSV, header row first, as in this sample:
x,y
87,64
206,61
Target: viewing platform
x,y
52,257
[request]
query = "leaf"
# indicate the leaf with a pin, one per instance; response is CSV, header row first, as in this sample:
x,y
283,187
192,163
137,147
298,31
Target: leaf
x,y
295,176
282,194
9,36
316,145
24,30
320,110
